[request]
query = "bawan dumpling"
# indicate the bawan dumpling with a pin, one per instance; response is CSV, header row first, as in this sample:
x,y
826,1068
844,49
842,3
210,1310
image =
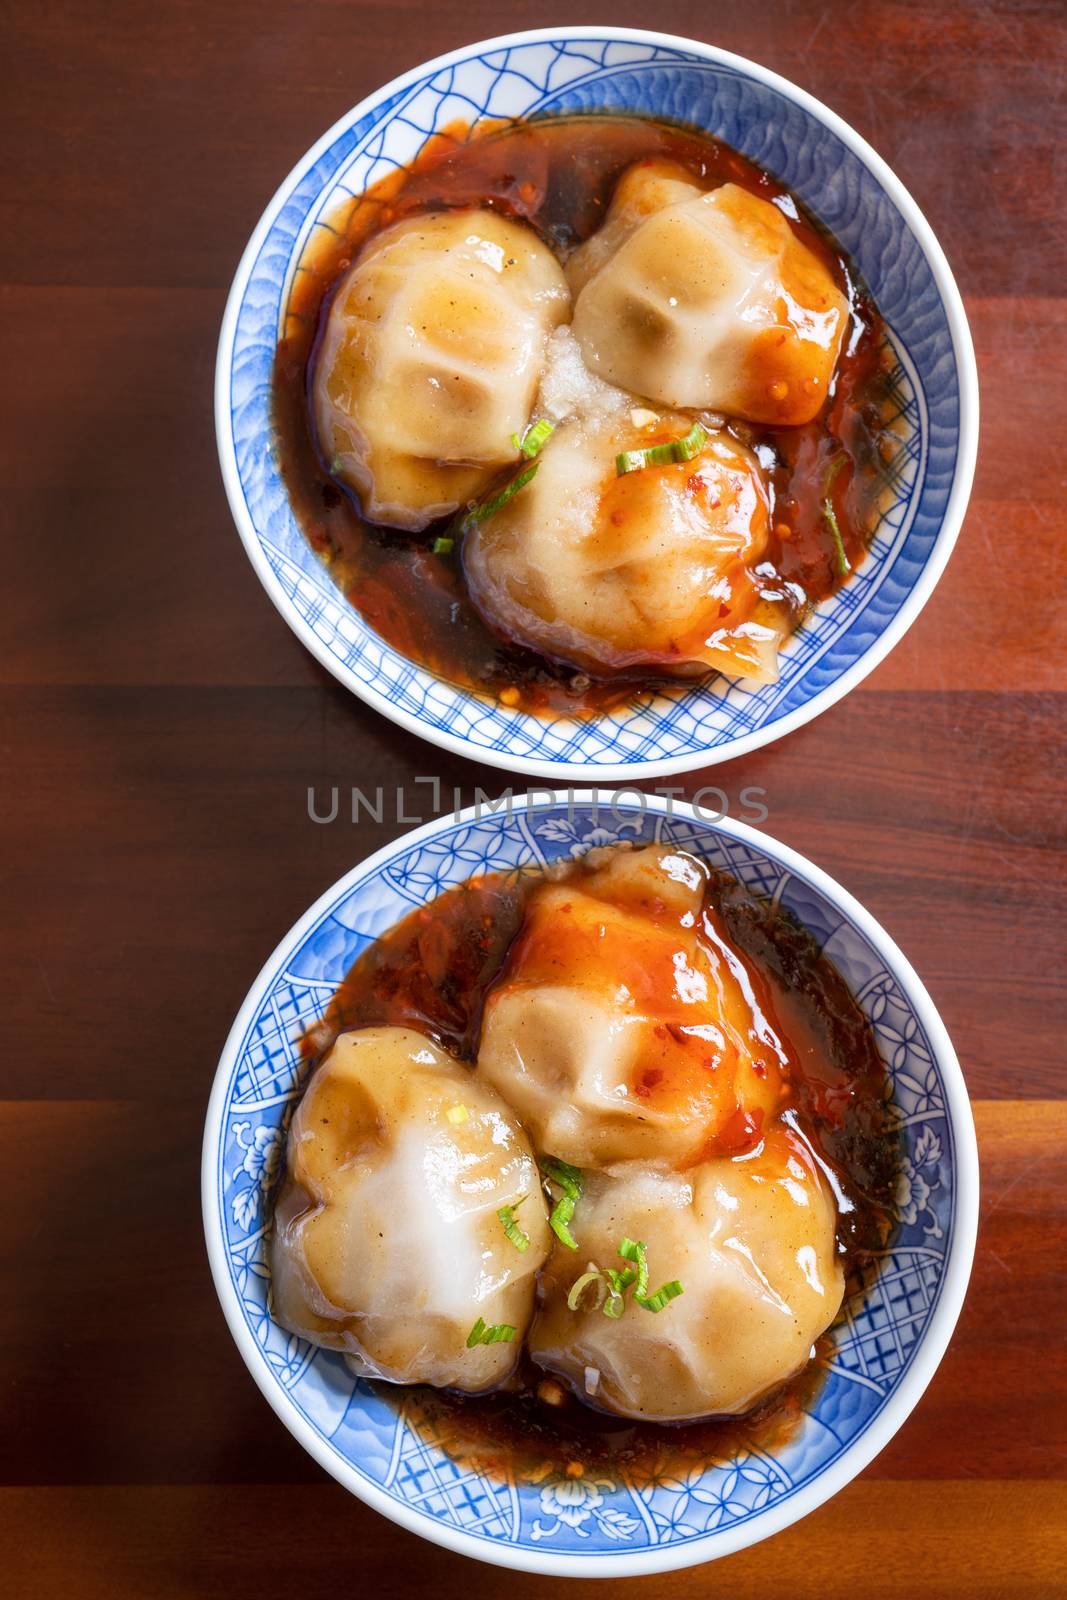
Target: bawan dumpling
x,y
714,302
645,187
624,1026
752,1244
387,1241
430,360
649,570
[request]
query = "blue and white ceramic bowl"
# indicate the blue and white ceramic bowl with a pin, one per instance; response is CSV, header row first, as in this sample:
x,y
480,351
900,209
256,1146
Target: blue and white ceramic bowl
x,y
887,1344
843,183
841,180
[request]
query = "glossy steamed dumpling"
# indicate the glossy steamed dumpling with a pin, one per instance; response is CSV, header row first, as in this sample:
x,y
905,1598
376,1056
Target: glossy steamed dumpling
x,y
715,302
648,570
645,187
752,1243
430,360
387,1241
624,1026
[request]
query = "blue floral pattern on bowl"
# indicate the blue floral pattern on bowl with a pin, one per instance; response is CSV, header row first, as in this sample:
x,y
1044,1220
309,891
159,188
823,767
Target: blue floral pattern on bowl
x,y
587,70
359,1432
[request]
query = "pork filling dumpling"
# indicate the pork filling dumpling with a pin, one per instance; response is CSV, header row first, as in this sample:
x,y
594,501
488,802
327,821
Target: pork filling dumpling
x,y
624,1026
645,187
715,302
387,1241
651,569
751,1241
430,360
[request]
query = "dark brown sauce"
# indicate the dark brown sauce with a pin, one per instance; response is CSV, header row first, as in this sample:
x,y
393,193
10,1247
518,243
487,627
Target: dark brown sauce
x,y
432,970
558,175
517,1436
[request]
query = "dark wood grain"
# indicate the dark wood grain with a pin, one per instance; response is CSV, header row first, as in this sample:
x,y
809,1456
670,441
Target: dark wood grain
x,y
158,1542
181,815
160,729
168,130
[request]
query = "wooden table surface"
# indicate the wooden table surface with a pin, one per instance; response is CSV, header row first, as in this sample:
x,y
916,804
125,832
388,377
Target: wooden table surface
x,y
160,728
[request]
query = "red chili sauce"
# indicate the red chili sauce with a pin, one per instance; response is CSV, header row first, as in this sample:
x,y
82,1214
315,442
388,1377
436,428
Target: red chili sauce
x,y
557,174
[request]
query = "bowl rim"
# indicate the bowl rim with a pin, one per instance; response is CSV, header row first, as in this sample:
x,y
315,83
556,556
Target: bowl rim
x,y
920,591
838,1472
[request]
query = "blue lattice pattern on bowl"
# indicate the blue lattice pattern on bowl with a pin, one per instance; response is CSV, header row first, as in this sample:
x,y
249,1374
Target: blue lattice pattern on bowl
x,y
357,1431
653,732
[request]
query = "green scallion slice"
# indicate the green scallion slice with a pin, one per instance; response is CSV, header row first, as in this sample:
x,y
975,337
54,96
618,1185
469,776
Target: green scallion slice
x,y
661,455
662,1297
592,1274
533,438
487,508
559,1221
620,1278
831,472
562,1173
512,1231
499,1333
614,1306
569,1179
636,1251
479,510
841,559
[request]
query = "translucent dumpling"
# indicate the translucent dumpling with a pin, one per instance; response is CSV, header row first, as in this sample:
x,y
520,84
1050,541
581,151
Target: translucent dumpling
x,y
430,360
387,1241
751,1241
647,570
624,1026
715,302
645,187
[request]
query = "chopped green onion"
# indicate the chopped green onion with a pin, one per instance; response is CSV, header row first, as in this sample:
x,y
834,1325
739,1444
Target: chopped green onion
x,y
457,1114
534,437
693,443
479,510
593,1274
620,1278
613,1282
834,468
611,1286
335,465
614,1305
830,519
499,1333
487,508
661,455
512,1231
841,561
662,1297
636,1251
559,1220
569,1179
